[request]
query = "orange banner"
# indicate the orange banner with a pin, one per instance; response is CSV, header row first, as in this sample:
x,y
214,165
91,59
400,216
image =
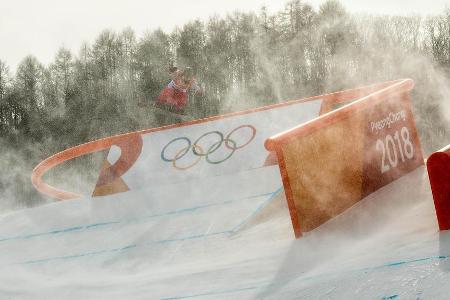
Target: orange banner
x,y
333,162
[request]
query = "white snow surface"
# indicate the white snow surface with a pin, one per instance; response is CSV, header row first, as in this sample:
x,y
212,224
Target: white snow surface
x,y
225,237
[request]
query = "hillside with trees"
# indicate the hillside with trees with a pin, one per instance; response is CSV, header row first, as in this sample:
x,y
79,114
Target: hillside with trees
x,y
243,60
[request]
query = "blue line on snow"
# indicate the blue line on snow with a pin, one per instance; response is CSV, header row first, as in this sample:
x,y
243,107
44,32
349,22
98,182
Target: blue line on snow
x,y
120,249
194,237
133,246
107,251
214,293
108,223
390,297
258,210
281,282
102,224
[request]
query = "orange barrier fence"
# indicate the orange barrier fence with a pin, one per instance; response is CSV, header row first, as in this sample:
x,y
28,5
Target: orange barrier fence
x,y
332,162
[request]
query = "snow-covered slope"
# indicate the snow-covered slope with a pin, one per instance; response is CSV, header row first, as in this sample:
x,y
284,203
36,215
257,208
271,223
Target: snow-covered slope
x,y
225,237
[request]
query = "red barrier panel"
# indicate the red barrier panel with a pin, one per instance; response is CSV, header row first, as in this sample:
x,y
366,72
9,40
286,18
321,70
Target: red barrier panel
x,y
438,165
332,162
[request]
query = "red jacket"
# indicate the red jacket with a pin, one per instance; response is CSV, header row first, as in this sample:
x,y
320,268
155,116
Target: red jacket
x,y
173,96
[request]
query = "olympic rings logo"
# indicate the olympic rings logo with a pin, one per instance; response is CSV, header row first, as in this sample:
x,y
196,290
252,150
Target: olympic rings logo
x,y
207,150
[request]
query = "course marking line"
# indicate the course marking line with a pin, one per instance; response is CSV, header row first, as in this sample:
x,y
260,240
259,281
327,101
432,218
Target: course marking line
x,y
258,210
82,228
129,247
120,249
390,297
215,293
145,244
299,279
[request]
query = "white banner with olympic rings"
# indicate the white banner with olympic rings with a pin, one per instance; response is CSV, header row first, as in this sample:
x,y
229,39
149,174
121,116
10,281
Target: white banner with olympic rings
x,y
218,147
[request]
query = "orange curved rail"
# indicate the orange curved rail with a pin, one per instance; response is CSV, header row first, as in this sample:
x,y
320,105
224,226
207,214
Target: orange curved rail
x,y
61,157
120,167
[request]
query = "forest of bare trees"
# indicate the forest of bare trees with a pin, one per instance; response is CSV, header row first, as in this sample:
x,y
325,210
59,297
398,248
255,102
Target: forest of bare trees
x,y
242,60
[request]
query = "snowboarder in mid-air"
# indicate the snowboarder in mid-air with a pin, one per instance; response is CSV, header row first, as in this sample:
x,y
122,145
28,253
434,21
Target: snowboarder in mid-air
x,y
171,103
174,97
